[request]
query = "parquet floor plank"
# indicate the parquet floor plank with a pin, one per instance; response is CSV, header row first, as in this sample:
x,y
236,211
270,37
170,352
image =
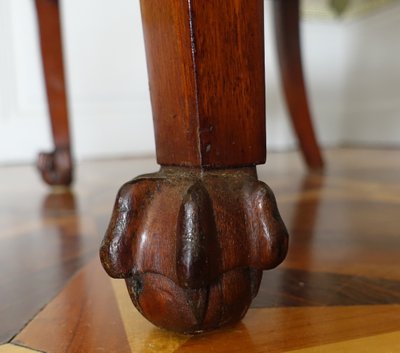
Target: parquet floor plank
x,y
84,317
12,348
337,291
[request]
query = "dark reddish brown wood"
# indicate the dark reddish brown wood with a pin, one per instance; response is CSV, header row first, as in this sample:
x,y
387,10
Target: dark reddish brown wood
x,y
192,244
287,27
56,167
289,288
206,70
191,241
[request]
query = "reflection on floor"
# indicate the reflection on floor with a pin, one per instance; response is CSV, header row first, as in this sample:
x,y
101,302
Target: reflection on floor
x,y
338,290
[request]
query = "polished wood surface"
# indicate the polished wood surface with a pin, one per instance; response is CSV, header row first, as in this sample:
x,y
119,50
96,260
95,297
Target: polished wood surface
x,y
206,71
87,301
337,291
56,167
196,265
262,330
287,29
43,243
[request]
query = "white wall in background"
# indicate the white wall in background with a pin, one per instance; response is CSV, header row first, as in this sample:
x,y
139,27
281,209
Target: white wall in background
x,y
371,82
352,69
106,73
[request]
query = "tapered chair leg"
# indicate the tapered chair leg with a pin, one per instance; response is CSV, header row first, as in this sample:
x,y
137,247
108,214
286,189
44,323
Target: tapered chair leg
x,y
56,167
287,27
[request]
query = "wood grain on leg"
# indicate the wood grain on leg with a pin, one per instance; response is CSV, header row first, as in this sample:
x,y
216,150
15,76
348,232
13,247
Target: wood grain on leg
x,y
287,29
206,71
192,240
56,167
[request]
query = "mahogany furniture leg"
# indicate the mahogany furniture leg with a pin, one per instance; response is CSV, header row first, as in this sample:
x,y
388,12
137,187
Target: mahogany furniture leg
x,y
192,240
56,167
287,27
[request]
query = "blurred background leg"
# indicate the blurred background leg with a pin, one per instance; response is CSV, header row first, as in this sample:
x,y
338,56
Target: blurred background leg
x,y
287,28
56,167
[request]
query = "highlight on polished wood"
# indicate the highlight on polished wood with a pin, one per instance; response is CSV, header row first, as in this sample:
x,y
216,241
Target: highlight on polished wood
x,y
196,265
337,291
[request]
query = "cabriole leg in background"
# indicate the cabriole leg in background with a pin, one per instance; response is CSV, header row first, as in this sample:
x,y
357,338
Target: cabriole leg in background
x,y
287,28
56,167
192,240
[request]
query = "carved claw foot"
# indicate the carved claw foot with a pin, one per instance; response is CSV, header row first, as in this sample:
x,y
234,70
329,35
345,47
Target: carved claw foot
x,y
192,244
56,167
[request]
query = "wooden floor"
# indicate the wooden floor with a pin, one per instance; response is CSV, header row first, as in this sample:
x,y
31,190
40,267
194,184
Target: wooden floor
x,y
338,290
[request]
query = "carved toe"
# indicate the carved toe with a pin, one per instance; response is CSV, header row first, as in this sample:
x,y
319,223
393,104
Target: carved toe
x,y
192,244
